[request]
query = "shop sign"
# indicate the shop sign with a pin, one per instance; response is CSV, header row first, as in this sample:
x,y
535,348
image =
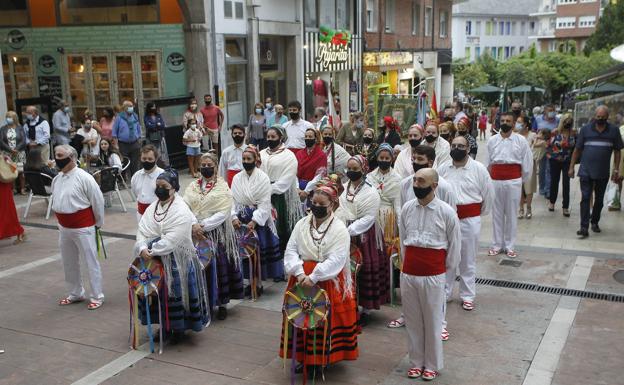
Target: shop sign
x,y
330,51
16,39
387,58
327,54
47,64
175,62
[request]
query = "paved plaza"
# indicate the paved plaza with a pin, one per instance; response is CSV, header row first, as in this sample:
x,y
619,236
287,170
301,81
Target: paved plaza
x,y
514,336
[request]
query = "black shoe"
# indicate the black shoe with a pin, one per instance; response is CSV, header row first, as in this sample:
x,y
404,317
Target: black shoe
x,y
279,279
583,233
595,228
176,338
364,318
222,313
299,368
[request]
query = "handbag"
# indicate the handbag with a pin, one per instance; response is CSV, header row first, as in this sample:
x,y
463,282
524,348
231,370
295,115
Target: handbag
x,y
8,169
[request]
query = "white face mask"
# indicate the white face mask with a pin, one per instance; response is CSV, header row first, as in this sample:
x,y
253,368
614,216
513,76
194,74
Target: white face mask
x,y
9,121
193,126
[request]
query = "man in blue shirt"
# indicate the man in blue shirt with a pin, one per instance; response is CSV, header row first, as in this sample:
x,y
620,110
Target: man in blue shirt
x,y
127,135
549,121
595,143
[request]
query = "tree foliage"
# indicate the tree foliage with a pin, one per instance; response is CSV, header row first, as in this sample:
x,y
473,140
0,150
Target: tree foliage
x,y
609,30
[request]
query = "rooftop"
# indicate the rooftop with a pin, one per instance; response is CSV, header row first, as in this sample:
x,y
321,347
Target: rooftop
x,y
500,8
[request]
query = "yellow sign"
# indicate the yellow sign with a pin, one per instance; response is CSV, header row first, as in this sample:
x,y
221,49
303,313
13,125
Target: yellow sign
x,y
370,59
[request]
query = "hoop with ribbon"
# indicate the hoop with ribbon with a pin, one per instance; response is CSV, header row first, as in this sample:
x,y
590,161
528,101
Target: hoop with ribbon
x,y
248,245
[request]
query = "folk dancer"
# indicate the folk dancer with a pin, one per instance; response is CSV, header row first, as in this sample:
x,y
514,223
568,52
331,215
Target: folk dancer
x,y
311,159
210,200
441,146
337,156
164,233
403,164
143,182
430,242
368,147
231,162
317,254
510,162
359,206
79,208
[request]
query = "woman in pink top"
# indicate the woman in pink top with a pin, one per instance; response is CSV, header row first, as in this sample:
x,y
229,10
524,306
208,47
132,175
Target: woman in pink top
x,y
106,123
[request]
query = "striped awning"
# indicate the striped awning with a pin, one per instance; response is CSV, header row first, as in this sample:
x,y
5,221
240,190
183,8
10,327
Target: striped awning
x,y
327,57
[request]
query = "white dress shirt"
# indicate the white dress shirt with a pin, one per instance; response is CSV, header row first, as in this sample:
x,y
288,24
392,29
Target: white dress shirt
x,y
295,131
143,185
231,159
77,190
512,150
472,183
444,192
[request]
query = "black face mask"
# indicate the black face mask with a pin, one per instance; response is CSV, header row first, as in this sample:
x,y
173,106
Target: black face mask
x,y
415,142
568,126
328,139
162,193
422,192
462,133
417,166
601,122
367,140
249,166
273,143
208,102
458,154
148,165
354,175
293,115
207,172
61,163
430,138
516,113
319,212
310,143
384,164
505,128
445,136
238,139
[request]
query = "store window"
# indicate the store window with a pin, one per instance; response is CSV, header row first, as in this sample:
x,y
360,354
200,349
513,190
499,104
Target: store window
x,y
371,15
415,18
19,80
310,13
14,13
236,79
85,12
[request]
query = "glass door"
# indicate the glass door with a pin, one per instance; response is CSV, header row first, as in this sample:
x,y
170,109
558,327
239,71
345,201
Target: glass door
x,y
100,79
150,82
77,85
19,78
124,69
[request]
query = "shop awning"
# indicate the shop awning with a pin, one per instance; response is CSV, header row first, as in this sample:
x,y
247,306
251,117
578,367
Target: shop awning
x,y
486,89
600,88
526,88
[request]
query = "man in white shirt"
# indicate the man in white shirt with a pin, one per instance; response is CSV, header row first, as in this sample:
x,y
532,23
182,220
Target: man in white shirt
x,y
61,122
143,182
296,127
510,163
79,208
430,244
269,109
459,112
37,132
475,194
231,162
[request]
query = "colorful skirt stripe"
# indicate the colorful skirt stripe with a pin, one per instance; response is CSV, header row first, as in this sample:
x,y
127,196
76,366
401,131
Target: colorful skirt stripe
x,y
341,341
227,283
373,279
271,257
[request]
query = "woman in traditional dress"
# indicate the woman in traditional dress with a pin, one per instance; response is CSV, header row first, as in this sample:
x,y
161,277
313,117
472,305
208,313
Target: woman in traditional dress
x,y
210,200
318,254
368,148
280,165
164,233
441,146
403,165
311,159
337,156
359,205
251,191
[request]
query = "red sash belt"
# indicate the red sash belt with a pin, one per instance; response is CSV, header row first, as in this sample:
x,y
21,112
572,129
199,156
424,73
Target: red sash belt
x,y
469,210
141,207
422,261
79,219
230,176
505,171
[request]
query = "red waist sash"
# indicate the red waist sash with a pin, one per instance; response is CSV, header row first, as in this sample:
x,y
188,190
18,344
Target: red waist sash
x,y
230,176
141,207
421,261
79,219
468,211
505,171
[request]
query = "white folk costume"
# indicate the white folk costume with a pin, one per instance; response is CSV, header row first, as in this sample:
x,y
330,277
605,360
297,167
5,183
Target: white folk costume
x,y
252,201
323,254
79,207
510,162
281,167
475,195
430,241
165,230
444,192
211,203
403,164
143,185
442,150
337,158
231,162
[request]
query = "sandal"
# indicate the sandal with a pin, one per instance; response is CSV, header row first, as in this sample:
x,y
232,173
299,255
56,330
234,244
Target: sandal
x,y
95,304
529,213
520,213
429,375
70,300
397,323
492,252
511,254
466,305
445,335
20,239
414,372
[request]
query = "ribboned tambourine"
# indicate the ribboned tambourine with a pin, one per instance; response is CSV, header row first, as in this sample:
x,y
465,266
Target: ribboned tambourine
x,y
306,307
355,259
144,274
205,251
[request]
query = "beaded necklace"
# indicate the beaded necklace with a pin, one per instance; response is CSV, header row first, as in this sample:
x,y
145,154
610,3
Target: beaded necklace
x,y
209,186
162,214
351,195
321,234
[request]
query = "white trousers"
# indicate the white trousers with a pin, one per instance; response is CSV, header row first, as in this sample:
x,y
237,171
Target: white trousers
x,y
470,229
505,213
423,304
73,244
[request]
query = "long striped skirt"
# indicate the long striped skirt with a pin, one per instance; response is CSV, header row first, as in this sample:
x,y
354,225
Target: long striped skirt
x,y
271,257
373,279
342,329
223,277
281,222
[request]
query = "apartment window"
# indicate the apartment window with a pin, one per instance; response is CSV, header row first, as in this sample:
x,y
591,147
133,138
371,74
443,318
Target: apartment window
x,y
493,52
523,28
553,22
327,13
14,13
444,24
415,18
512,51
513,28
488,28
587,21
84,12
477,30
477,52
588,1
467,53
552,46
521,49
227,9
468,28
310,12
507,52
566,22
343,20
428,21
501,28
238,9
371,15
508,28
389,13
532,27
564,2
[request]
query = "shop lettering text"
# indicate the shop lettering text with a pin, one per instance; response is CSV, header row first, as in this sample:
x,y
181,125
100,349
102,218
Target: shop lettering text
x,y
328,54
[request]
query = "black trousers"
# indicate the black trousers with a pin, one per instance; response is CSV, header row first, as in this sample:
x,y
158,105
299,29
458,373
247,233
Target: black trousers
x,y
559,169
598,187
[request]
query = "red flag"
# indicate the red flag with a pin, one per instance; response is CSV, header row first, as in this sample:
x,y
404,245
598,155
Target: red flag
x,y
434,106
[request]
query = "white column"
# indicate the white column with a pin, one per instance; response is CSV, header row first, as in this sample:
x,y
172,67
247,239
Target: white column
x,y
3,101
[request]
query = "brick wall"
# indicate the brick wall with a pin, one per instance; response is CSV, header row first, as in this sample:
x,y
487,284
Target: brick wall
x,y
577,10
402,39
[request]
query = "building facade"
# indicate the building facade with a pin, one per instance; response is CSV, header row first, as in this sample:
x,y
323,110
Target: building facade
x,y
500,28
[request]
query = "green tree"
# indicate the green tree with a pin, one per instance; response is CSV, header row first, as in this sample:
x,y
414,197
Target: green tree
x,y
468,76
610,29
